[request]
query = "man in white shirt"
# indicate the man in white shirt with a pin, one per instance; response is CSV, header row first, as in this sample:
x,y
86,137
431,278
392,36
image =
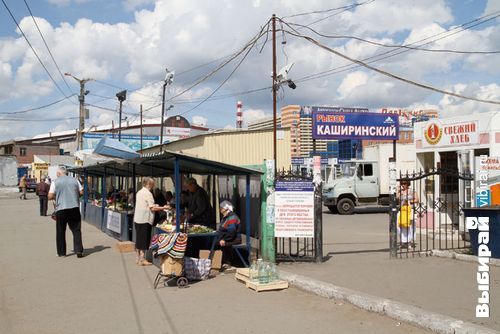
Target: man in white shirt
x,y
145,208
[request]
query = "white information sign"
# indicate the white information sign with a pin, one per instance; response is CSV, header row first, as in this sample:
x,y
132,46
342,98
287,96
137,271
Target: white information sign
x,y
294,210
114,222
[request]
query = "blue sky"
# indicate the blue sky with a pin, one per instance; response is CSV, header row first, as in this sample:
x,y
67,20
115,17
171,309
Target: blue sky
x,y
128,44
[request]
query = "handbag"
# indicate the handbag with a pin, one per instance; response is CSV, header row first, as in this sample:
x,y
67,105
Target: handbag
x,y
197,269
53,214
404,216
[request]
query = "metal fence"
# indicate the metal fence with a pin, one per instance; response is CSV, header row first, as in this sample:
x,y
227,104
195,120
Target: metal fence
x,y
430,211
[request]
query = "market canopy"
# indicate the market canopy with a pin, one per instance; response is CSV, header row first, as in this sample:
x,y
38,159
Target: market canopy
x,y
163,164
114,149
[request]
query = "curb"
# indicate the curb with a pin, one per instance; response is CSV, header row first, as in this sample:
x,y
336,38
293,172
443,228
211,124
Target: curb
x,y
396,310
462,257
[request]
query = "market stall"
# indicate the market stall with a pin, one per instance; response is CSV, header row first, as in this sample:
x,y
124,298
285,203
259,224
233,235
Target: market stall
x,y
162,165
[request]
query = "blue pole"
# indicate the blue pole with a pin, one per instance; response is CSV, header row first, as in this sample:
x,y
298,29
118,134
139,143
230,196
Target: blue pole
x,y
103,195
85,192
247,214
178,191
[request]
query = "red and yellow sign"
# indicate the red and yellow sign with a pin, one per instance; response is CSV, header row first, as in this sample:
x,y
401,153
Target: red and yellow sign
x,y
437,134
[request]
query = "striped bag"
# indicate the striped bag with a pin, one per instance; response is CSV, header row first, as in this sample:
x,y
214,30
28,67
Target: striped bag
x,y
179,247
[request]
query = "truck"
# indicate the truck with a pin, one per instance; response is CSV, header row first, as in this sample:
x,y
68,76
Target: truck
x,y
365,182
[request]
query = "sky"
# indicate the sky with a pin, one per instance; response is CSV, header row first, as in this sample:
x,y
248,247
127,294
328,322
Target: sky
x,y
129,45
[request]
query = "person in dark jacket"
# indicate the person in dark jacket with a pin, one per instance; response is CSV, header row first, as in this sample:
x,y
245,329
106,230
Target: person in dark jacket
x,y
161,201
200,210
229,232
42,191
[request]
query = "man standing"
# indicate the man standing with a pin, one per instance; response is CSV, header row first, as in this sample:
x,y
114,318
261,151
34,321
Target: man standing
x,y
66,191
42,191
22,186
200,210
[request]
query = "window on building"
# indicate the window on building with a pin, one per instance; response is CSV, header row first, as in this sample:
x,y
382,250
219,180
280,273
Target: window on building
x,y
22,151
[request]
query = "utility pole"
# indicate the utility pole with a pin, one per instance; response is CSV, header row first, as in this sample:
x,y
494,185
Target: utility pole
x,y
121,96
141,125
275,87
81,114
169,79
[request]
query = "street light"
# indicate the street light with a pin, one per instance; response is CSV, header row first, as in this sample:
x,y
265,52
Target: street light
x,y
81,99
121,96
169,79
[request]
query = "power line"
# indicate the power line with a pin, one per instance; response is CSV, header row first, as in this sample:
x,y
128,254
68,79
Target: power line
x,y
32,49
37,108
388,74
393,45
347,7
37,120
48,49
222,83
392,53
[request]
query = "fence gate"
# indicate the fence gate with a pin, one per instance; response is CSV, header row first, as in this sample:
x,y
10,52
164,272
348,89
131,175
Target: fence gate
x,y
430,211
301,248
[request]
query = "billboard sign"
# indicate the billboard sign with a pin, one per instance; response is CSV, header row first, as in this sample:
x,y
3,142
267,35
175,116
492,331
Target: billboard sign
x,y
408,116
308,111
90,140
438,134
371,126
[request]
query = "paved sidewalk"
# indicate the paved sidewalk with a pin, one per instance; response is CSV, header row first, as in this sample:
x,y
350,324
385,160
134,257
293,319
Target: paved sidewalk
x,y
360,261
105,292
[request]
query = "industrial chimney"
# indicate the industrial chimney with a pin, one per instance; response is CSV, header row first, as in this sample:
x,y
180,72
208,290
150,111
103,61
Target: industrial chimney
x,y
239,115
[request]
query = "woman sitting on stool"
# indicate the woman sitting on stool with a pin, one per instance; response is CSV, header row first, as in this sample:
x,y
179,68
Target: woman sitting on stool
x,y
229,232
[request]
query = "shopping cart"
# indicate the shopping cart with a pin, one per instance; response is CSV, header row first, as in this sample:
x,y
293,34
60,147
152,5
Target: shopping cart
x,y
168,255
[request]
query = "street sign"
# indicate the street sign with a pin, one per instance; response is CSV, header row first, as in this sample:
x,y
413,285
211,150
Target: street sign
x,y
371,126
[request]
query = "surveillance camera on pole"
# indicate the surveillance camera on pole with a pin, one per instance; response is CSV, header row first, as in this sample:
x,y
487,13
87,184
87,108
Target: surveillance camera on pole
x,y
169,79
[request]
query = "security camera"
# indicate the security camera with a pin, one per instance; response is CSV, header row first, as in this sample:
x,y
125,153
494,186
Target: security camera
x,y
291,84
169,76
283,73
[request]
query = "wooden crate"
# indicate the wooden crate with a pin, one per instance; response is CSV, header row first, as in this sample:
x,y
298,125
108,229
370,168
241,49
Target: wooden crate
x,y
243,275
125,246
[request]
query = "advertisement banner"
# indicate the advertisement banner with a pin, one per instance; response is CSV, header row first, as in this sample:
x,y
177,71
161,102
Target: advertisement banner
x,y
354,126
408,116
437,134
294,209
114,222
308,111
90,140
487,181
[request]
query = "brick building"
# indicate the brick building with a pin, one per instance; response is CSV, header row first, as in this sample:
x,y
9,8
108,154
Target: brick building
x,y
25,150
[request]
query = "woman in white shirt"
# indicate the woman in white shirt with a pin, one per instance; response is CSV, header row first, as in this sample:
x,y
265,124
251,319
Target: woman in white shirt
x,y
145,208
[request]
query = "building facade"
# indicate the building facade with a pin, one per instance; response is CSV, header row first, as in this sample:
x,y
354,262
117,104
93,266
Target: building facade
x,y
25,150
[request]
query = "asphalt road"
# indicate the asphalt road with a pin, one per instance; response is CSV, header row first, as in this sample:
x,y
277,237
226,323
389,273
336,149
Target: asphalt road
x,y
105,292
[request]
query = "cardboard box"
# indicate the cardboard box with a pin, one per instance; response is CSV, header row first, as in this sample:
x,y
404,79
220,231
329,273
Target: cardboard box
x,y
171,266
125,246
216,260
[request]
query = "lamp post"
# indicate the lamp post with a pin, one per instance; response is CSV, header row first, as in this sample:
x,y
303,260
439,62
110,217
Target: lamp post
x,y
81,99
121,96
169,79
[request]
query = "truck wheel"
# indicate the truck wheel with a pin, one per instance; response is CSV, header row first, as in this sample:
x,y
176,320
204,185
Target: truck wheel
x,y
345,206
332,208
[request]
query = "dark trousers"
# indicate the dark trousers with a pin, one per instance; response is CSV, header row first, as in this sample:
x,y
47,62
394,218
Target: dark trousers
x,y
72,218
43,205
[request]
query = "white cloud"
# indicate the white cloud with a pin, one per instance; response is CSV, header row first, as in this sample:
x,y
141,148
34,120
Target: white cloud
x,y
182,34
253,115
453,106
199,120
